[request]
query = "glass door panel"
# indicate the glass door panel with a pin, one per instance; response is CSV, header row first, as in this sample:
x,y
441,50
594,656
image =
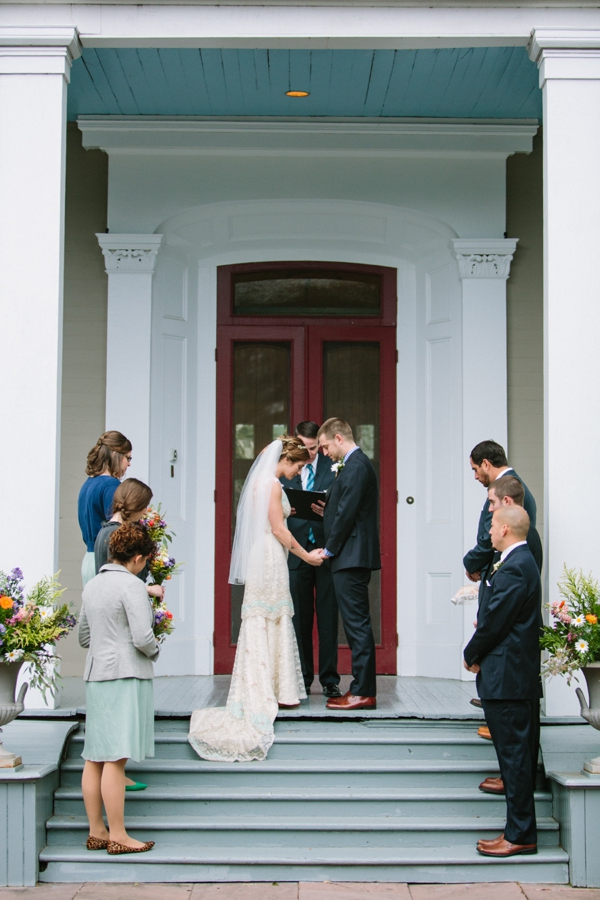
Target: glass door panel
x,y
261,412
351,391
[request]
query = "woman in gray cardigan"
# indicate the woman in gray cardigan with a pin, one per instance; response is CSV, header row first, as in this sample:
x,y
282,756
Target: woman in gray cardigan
x,y
116,625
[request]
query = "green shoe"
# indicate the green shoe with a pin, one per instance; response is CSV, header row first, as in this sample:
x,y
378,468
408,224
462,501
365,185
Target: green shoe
x,y
136,786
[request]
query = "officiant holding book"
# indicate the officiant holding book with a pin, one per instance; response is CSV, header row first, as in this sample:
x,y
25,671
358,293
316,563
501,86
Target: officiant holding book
x,y
312,587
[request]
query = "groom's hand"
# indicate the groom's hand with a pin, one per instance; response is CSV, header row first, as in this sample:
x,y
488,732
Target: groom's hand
x,y
318,507
473,576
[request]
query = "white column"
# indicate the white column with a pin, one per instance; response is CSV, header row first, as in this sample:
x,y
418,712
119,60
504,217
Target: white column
x,y
130,260
569,64
34,72
483,267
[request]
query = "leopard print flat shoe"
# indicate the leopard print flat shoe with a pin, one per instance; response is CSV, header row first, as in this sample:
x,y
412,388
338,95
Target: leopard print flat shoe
x,y
114,848
94,843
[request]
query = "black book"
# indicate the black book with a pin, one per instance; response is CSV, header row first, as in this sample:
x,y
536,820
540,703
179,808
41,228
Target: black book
x,y
301,501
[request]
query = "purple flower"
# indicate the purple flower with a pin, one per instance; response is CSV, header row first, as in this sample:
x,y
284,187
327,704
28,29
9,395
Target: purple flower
x,y
2,629
17,574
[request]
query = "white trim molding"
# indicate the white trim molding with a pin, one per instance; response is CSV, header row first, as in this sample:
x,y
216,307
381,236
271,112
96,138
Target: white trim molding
x,y
38,50
566,53
381,137
130,254
484,258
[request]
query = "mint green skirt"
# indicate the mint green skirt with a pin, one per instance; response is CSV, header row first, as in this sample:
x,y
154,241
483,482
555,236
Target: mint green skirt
x,y
119,720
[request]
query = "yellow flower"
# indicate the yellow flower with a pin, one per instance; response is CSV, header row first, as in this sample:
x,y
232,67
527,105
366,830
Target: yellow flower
x,y
5,602
592,619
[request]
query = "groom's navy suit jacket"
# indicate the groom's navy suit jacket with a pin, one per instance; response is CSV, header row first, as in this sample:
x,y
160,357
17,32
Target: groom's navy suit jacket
x,y
479,558
506,644
351,517
300,527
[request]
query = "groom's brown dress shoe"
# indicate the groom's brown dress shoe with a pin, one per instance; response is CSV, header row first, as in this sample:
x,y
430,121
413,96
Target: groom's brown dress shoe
x,y
484,732
504,848
351,701
485,845
492,786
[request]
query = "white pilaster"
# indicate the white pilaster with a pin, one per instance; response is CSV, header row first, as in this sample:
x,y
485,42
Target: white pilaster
x,y
569,64
130,260
483,267
34,72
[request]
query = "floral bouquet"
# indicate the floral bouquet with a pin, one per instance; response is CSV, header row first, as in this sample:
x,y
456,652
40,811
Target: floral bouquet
x,y
573,639
31,625
162,566
157,527
163,619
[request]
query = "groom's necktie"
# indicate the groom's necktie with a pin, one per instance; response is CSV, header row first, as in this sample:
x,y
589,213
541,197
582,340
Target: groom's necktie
x,y
310,483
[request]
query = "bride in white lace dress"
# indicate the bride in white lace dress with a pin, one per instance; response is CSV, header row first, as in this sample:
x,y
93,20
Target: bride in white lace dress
x,y
266,673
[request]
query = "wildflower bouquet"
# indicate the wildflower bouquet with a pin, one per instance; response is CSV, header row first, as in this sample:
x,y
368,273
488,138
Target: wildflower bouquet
x,y
573,639
163,620
31,625
157,527
162,567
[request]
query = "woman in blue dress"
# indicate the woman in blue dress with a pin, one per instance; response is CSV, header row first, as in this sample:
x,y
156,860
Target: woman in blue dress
x,y
107,463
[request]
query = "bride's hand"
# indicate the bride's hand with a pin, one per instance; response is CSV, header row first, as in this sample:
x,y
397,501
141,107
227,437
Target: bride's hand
x,y
314,558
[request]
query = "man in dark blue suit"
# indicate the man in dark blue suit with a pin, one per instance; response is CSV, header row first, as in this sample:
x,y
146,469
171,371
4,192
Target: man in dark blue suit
x,y
504,652
312,587
488,461
351,521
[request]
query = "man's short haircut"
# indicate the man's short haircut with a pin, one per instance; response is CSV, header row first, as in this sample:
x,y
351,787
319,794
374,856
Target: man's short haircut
x,y
516,518
508,486
306,429
335,426
491,451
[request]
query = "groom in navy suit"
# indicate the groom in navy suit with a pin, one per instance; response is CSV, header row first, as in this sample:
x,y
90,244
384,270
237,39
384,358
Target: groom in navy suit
x,y
351,521
312,587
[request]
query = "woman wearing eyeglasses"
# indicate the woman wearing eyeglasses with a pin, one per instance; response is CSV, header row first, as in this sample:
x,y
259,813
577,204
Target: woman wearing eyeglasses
x,y
107,463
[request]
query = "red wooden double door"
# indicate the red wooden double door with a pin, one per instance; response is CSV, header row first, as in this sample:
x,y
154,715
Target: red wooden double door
x,y
300,341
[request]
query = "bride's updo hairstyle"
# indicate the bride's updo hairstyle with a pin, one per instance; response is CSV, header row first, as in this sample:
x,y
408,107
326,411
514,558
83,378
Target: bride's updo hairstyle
x,y
108,453
293,449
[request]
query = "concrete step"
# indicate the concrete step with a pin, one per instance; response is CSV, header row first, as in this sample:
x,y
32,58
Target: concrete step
x,y
301,831
173,863
309,773
295,800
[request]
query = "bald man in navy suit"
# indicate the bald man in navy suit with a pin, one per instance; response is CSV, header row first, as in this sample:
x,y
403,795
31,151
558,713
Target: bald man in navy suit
x,y
504,653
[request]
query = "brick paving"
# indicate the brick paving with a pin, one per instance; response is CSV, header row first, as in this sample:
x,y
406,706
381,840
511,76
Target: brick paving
x,y
300,891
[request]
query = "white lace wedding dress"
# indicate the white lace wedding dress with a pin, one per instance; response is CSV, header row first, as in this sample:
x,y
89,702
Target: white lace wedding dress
x,y
266,670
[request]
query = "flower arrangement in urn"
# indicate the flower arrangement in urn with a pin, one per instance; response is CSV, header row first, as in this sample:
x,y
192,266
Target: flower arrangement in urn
x,y
162,567
573,638
30,625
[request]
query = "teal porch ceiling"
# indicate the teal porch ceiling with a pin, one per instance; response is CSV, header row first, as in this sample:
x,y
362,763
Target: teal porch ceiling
x,y
488,83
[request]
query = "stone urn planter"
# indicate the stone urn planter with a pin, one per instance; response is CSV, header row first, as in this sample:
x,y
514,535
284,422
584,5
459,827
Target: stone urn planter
x,y
591,712
9,708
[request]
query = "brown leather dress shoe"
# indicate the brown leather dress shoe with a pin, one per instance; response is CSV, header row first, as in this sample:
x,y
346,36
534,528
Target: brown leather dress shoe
x,y
504,849
351,701
484,732
492,786
493,843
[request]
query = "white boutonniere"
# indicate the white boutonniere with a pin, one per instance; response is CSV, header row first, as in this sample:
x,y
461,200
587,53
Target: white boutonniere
x,y
337,467
497,565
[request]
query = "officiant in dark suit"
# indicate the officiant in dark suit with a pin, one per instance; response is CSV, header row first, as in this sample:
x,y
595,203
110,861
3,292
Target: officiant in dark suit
x,y
504,652
351,521
312,587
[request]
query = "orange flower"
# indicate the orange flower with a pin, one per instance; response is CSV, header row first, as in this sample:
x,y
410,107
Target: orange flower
x,y
6,602
592,619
